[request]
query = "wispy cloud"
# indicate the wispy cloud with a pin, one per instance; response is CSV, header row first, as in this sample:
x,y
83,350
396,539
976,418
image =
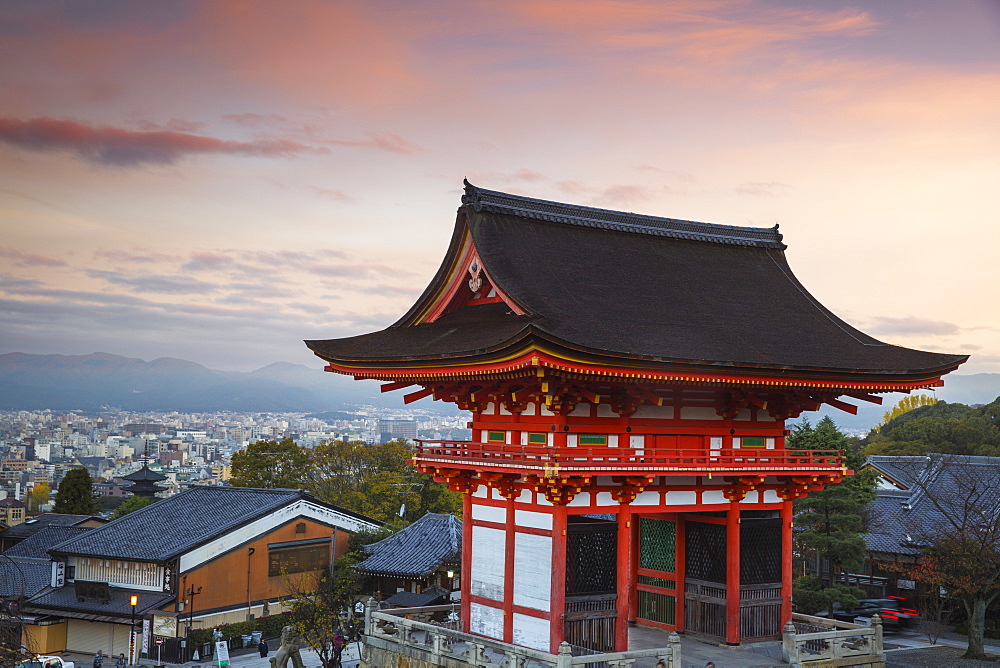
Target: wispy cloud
x,y
385,141
22,259
153,283
762,188
912,326
111,146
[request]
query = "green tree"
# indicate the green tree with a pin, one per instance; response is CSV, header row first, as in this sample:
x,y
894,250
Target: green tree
x,y
833,519
322,605
131,504
272,465
76,493
377,481
905,405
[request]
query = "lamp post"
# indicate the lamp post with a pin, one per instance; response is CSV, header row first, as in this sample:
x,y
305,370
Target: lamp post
x,y
132,601
192,591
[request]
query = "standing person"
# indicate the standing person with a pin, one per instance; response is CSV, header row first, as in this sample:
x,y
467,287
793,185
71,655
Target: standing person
x,y
120,662
338,647
263,648
99,658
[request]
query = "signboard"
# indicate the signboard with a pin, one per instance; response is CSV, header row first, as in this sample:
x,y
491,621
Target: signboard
x,y
145,636
165,626
222,653
58,573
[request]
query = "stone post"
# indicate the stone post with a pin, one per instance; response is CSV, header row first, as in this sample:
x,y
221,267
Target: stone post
x,y
789,651
877,648
369,621
565,657
674,644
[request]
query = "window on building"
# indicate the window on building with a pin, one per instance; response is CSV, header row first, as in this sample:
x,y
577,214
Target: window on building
x,y
538,438
595,440
752,442
496,436
298,556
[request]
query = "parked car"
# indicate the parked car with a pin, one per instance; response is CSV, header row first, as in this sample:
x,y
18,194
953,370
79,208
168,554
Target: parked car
x,y
892,610
46,662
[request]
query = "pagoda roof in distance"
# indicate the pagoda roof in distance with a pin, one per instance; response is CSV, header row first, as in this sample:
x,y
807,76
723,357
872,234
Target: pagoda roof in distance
x,y
145,474
619,289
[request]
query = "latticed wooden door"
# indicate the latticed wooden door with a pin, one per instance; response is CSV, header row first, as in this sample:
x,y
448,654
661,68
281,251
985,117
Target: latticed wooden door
x,y
656,577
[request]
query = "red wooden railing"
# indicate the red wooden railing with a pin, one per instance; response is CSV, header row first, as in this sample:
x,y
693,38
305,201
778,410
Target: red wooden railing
x,y
590,458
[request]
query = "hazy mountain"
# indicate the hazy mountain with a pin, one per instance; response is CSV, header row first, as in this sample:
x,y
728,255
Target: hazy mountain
x,y
88,382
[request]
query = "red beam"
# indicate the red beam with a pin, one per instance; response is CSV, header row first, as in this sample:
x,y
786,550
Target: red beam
x,y
733,573
419,394
873,398
390,387
843,405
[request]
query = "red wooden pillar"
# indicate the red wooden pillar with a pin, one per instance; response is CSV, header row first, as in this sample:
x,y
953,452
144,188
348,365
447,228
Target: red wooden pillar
x,y
466,574
625,577
786,562
680,570
558,591
508,575
733,573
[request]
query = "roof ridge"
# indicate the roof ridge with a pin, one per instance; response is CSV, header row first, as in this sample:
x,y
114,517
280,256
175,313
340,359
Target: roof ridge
x,y
482,199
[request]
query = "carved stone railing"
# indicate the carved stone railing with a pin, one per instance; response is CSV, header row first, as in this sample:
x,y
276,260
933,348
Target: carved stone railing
x,y
437,645
848,645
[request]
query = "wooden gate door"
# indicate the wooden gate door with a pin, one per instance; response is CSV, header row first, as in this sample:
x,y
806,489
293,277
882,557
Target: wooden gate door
x,y
591,571
657,575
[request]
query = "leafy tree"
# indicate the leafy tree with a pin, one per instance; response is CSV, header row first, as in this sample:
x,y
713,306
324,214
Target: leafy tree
x,y
905,405
377,481
39,495
810,595
833,519
271,465
132,504
320,606
76,493
961,551
941,427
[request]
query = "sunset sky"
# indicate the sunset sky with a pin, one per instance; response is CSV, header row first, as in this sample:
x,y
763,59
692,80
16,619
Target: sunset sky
x,y
217,181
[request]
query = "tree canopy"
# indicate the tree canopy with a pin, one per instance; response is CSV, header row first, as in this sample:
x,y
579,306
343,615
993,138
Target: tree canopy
x,y
130,505
948,428
374,480
832,519
76,493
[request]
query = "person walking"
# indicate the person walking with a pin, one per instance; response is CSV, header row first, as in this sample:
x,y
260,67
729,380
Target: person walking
x,y
120,662
99,658
263,648
338,647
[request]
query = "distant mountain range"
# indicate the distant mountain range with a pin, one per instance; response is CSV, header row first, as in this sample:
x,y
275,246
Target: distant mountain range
x,y
91,382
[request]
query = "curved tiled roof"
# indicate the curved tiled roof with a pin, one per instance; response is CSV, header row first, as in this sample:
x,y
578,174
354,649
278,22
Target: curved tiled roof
x,y
620,287
421,548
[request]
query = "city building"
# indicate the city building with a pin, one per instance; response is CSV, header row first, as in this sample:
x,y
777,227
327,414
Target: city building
x,y
395,428
629,379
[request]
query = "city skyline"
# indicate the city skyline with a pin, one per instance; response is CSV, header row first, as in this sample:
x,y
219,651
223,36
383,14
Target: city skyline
x,y
218,181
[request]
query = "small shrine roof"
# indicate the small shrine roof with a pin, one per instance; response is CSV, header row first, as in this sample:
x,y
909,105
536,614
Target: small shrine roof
x,y
145,474
421,548
624,288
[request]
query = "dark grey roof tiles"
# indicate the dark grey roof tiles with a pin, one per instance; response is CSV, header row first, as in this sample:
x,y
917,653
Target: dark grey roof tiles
x,y
23,577
39,522
174,525
38,545
64,598
421,548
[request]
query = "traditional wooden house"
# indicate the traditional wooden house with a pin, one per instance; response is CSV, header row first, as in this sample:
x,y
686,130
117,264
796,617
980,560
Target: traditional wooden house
x,y
204,557
629,378
422,555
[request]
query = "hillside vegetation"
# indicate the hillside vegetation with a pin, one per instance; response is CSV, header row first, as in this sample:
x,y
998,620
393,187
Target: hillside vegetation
x,y
949,428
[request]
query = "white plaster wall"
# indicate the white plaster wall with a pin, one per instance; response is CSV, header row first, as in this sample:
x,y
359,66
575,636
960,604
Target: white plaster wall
x,y
531,632
699,413
751,497
682,498
637,441
571,441
647,498
486,621
771,496
488,560
581,499
605,499
713,496
658,412
541,500
604,410
743,416
612,440
532,571
582,410
525,496
489,513
528,518
543,411
482,492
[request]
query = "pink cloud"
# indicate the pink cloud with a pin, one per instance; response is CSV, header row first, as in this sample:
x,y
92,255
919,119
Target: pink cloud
x,y
23,259
385,141
107,145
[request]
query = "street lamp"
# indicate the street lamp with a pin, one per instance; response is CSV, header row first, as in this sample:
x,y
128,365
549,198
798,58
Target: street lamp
x,y
132,601
191,592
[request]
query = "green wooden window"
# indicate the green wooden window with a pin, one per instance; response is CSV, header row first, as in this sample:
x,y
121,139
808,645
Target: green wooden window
x,y
538,438
657,544
496,436
659,608
593,439
752,441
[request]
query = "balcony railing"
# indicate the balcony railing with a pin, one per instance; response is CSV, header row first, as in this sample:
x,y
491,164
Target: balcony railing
x,y
664,461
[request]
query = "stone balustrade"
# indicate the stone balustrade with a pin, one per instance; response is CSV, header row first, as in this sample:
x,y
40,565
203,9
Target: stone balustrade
x,y
839,644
